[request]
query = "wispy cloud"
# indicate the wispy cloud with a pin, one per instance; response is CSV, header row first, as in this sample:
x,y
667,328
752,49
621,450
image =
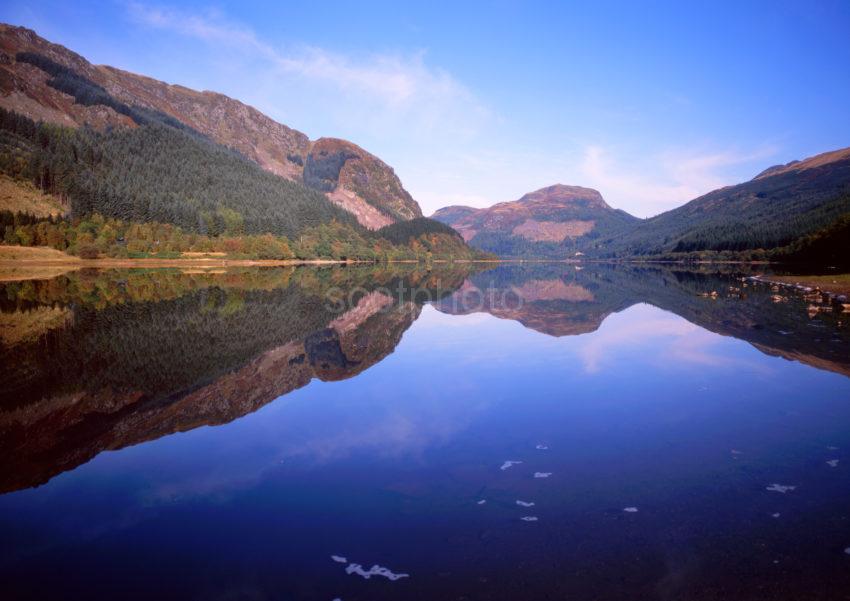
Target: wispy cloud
x,y
402,86
667,179
210,26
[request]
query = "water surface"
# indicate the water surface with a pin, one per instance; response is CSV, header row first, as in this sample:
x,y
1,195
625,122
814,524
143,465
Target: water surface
x,y
259,434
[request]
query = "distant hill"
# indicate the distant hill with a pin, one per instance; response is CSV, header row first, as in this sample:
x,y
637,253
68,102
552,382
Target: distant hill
x,y
550,222
47,82
789,211
774,209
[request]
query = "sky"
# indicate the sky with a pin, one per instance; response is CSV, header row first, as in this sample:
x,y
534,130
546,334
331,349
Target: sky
x,y
651,103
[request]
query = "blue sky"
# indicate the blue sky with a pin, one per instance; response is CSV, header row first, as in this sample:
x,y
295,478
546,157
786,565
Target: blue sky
x,y
480,103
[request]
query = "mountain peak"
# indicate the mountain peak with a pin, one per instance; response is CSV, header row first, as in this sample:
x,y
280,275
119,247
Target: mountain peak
x,y
558,214
565,194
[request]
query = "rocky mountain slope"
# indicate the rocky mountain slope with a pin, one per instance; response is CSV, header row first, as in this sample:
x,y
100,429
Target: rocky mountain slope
x,y
348,175
776,209
548,222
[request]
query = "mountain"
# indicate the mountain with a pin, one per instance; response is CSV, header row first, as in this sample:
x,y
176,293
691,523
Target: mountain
x,y
47,82
787,211
779,206
549,222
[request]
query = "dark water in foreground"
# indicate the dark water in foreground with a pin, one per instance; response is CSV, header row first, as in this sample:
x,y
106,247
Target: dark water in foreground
x,y
223,435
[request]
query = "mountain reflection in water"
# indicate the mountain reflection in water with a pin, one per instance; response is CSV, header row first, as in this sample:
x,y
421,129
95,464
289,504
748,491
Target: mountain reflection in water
x,y
495,432
101,360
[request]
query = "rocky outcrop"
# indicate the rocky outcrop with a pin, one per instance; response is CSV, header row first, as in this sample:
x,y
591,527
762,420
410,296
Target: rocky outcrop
x,y
361,183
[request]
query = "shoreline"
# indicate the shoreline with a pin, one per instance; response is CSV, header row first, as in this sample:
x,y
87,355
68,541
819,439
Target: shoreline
x,y
22,263
837,286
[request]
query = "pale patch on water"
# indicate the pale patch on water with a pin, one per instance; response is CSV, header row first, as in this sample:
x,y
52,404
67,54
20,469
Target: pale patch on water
x,y
529,518
507,464
525,503
783,488
736,452
775,515
630,509
832,463
832,448
847,550
482,501
542,474
542,447
339,559
375,570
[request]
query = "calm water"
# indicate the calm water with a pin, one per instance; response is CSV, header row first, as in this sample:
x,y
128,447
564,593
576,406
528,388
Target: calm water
x,y
274,434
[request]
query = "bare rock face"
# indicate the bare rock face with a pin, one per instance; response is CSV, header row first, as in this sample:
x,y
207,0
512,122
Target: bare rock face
x,y
361,183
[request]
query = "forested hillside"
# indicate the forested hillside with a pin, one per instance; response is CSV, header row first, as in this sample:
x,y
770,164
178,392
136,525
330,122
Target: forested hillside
x,y
773,210
159,173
